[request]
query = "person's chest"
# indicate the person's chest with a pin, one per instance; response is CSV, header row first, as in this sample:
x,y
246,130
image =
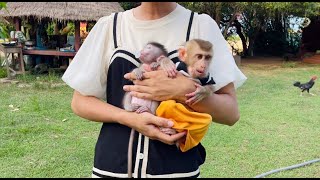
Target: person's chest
x,y
171,34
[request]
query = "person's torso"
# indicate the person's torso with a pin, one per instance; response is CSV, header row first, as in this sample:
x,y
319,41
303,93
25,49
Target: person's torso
x,y
151,158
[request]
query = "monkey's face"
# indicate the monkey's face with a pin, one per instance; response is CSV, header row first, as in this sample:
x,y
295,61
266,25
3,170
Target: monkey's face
x,y
149,54
199,62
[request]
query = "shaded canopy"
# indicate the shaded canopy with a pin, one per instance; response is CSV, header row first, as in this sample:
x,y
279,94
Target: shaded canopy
x,y
61,11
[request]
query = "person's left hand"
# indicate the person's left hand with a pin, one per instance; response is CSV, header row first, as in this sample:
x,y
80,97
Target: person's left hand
x,y
158,86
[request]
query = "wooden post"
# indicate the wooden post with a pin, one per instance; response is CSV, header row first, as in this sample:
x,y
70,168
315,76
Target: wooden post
x,y
76,35
17,23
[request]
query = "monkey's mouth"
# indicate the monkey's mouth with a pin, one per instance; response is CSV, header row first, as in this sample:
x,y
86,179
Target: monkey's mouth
x,y
200,72
141,56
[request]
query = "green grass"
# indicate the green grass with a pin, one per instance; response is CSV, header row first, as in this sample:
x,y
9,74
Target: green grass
x,y
277,128
43,138
3,72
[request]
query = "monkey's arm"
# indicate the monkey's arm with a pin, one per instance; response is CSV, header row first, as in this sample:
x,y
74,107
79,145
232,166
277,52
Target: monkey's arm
x,y
199,94
126,102
154,66
168,66
222,105
139,72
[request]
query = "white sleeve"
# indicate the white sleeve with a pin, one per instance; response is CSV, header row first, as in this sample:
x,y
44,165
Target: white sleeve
x,y
87,72
223,68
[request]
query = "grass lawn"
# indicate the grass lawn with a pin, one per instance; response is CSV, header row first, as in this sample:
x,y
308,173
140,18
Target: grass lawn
x,y
41,137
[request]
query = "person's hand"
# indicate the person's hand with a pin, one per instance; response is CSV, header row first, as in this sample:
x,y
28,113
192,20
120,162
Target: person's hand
x,y
148,125
158,86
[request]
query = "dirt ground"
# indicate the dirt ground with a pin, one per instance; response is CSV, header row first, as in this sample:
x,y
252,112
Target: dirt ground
x,y
262,60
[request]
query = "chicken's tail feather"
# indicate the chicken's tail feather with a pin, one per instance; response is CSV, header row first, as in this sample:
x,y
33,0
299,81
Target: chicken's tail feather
x,y
297,84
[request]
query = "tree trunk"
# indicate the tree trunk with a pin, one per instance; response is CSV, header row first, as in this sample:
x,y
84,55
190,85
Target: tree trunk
x,y
244,43
239,32
77,35
251,46
218,6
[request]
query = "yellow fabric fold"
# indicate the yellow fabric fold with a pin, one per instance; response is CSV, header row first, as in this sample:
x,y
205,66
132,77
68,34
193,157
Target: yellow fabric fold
x,y
196,124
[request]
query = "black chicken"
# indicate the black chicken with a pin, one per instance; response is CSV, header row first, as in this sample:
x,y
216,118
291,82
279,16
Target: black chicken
x,y
306,86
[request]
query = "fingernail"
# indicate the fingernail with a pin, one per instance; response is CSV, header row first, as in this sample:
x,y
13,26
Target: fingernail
x,y
125,88
170,123
126,76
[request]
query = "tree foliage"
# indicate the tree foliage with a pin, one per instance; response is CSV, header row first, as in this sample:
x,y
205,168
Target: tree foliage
x,y
3,5
4,26
265,24
128,5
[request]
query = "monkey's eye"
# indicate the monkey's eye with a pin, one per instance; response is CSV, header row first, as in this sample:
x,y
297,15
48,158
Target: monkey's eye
x,y
199,56
208,57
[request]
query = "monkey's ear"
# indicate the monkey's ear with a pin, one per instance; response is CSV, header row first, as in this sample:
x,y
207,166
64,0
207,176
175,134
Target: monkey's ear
x,y
160,58
182,53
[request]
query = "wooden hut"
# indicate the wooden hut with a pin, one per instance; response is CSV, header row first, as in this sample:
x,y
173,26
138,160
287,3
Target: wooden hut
x,y
58,11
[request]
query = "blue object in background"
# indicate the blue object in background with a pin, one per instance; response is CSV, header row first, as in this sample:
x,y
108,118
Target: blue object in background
x,y
40,39
41,35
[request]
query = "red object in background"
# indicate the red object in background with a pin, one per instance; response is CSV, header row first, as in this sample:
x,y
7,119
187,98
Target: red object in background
x,y
83,26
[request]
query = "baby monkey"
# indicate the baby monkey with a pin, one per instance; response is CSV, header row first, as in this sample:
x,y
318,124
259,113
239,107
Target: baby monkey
x,y
153,57
196,56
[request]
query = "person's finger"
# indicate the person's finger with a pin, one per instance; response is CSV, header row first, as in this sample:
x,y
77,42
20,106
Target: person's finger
x,y
162,122
170,139
144,82
181,140
136,88
141,95
151,74
130,76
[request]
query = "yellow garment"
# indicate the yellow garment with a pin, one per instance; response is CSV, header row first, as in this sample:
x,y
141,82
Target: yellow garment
x,y
196,124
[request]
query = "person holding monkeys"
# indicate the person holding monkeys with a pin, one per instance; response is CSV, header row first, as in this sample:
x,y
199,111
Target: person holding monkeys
x,y
110,52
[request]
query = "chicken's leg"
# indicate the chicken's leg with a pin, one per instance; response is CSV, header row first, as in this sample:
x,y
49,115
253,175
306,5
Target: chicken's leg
x,y
310,93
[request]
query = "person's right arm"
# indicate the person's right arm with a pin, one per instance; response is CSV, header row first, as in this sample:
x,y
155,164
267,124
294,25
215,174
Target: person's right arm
x,y
92,108
87,75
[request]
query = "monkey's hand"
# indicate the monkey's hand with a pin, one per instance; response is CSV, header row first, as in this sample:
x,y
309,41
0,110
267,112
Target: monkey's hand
x,y
142,109
154,66
139,73
168,66
169,131
200,93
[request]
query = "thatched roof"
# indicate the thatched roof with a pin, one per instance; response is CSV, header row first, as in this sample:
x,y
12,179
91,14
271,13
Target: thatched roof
x,y
61,11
